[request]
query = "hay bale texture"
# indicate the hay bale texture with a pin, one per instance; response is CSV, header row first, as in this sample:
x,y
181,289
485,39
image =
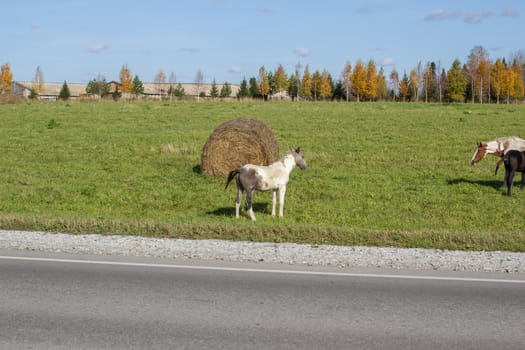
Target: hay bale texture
x,y
237,142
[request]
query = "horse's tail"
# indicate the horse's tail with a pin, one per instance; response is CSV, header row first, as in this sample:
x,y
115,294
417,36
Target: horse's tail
x,y
497,165
231,175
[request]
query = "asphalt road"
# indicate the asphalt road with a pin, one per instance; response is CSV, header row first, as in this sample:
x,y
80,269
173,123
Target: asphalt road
x,y
81,302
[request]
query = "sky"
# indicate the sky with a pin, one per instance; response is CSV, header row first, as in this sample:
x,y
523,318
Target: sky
x,y
228,40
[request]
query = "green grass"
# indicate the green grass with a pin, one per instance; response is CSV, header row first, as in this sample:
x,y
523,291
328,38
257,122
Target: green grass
x,y
380,174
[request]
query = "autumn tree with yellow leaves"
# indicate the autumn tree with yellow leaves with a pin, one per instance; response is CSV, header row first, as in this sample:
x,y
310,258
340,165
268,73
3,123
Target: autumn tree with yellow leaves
x,y
325,85
306,85
382,87
498,79
6,78
478,80
38,81
359,76
263,83
316,83
506,82
404,90
371,80
519,88
126,82
413,85
280,80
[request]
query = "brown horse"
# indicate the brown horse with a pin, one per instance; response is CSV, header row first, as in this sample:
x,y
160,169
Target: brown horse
x,y
497,147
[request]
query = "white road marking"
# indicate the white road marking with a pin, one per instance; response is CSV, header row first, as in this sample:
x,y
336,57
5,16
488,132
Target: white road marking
x,y
270,271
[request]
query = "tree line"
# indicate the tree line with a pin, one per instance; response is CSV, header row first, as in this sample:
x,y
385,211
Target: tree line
x,y
479,80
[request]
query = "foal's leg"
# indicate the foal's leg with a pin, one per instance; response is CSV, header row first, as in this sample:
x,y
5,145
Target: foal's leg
x,y
274,201
282,192
249,196
238,201
510,181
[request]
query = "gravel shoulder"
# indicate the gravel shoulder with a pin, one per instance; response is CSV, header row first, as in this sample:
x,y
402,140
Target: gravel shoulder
x,y
282,253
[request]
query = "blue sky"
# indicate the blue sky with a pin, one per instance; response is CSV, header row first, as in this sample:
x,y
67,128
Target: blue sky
x,y
75,41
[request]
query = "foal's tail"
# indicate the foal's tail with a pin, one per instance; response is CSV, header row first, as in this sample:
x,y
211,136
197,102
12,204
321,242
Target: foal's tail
x,y
231,175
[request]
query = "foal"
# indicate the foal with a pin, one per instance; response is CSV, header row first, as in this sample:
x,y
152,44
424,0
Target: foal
x,y
263,178
514,161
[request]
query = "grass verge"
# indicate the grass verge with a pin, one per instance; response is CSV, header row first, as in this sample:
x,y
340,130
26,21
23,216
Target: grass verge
x,y
379,174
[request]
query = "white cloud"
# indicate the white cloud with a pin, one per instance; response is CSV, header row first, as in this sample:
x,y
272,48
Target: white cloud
x,y
267,10
235,69
98,47
477,17
495,48
510,13
440,15
302,52
387,62
189,49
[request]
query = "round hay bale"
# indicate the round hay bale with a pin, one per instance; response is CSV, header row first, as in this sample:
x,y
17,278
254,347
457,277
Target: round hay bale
x,y
237,142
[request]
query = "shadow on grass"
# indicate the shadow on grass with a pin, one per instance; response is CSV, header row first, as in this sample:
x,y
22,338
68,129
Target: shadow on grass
x,y
230,211
197,169
495,184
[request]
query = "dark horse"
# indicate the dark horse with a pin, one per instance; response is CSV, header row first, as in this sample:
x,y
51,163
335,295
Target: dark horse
x,y
514,161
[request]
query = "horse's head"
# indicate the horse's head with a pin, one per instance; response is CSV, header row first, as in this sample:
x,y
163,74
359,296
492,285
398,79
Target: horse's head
x,y
298,157
479,153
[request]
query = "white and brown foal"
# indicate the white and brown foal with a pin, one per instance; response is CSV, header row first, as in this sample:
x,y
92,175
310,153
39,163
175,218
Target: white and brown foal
x,y
275,177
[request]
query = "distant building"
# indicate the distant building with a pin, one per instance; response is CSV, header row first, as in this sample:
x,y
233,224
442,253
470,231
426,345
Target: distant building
x,y
50,91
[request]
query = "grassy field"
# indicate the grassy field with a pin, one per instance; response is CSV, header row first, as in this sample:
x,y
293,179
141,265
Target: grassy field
x,y
380,174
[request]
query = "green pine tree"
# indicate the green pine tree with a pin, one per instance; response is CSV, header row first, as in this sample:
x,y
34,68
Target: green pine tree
x,y
456,86
32,94
179,91
214,92
226,90
116,94
254,88
138,87
243,90
64,94
98,86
